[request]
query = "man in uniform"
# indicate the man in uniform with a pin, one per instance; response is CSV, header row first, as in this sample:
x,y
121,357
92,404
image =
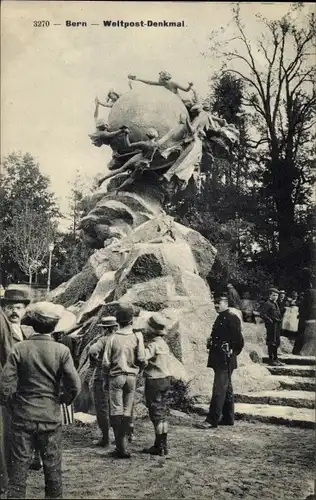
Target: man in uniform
x,y
30,385
272,317
13,303
100,381
225,343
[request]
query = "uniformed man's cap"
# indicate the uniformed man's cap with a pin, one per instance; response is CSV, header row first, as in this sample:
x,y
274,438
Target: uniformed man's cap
x,y
222,296
281,291
274,290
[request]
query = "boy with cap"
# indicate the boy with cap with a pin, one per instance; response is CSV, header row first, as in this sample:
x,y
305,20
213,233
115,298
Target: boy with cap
x,y
272,317
124,354
157,381
100,381
30,385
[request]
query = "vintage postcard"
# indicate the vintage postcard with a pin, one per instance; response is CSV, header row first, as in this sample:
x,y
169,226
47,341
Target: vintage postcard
x,y
157,265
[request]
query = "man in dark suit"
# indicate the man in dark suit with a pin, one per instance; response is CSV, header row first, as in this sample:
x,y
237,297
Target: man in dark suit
x,y
13,306
272,317
30,386
225,343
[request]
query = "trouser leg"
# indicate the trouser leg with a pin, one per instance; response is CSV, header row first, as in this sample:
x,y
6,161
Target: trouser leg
x,y
50,443
5,445
156,391
228,417
220,386
22,444
101,403
270,352
120,408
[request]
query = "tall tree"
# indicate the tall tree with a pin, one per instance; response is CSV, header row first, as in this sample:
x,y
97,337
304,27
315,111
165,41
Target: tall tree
x,y
23,189
29,236
279,74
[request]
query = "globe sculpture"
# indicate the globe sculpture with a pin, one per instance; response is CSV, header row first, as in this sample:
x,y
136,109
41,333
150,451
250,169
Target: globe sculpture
x,y
141,255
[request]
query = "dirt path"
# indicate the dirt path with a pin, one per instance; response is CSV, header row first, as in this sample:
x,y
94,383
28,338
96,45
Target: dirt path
x,y
248,461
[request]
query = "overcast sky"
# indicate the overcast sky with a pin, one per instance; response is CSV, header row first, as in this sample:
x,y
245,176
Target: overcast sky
x,y
50,76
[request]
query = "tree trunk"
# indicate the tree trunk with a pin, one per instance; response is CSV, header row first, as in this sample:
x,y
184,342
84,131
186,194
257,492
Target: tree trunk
x,y
283,186
30,278
285,211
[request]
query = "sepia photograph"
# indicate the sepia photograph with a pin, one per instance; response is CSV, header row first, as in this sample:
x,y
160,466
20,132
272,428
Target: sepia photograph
x,y
157,250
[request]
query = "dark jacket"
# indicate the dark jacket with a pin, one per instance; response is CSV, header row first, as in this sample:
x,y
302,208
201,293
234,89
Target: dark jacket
x,y
8,338
31,379
271,315
282,305
226,329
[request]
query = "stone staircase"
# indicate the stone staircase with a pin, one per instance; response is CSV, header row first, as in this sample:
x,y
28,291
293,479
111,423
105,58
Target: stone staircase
x,y
293,404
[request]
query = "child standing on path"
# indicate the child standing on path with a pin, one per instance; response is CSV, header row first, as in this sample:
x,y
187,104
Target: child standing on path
x,y
157,382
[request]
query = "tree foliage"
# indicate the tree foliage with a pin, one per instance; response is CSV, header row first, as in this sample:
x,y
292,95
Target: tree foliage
x,y
29,236
28,212
278,74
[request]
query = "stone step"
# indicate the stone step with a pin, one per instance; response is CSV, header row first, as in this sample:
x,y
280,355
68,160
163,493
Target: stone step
x,y
296,383
281,415
292,359
296,399
292,370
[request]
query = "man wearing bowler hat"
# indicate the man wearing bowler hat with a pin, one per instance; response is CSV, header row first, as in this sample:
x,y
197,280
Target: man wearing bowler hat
x,y
272,317
100,380
13,306
38,376
225,343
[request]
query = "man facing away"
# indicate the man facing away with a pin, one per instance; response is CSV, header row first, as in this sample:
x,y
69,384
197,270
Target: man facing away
x,y
124,354
272,317
100,381
14,303
30,385
225,343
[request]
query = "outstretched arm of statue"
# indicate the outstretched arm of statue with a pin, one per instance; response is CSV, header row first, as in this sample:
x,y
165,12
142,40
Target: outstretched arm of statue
x,y
137,144
110,135
106,104
187,89
148,82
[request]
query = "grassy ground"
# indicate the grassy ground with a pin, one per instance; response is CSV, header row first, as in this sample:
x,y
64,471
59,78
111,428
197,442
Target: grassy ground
x,y
247,461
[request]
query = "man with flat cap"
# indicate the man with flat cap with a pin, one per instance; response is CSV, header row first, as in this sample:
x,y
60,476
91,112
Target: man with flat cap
x,y
124,356
100,381
30,385
13,306
272,317
225,343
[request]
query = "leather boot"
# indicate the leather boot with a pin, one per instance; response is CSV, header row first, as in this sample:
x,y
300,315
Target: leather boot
x,y
153,450
116,422
164,444
122,438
